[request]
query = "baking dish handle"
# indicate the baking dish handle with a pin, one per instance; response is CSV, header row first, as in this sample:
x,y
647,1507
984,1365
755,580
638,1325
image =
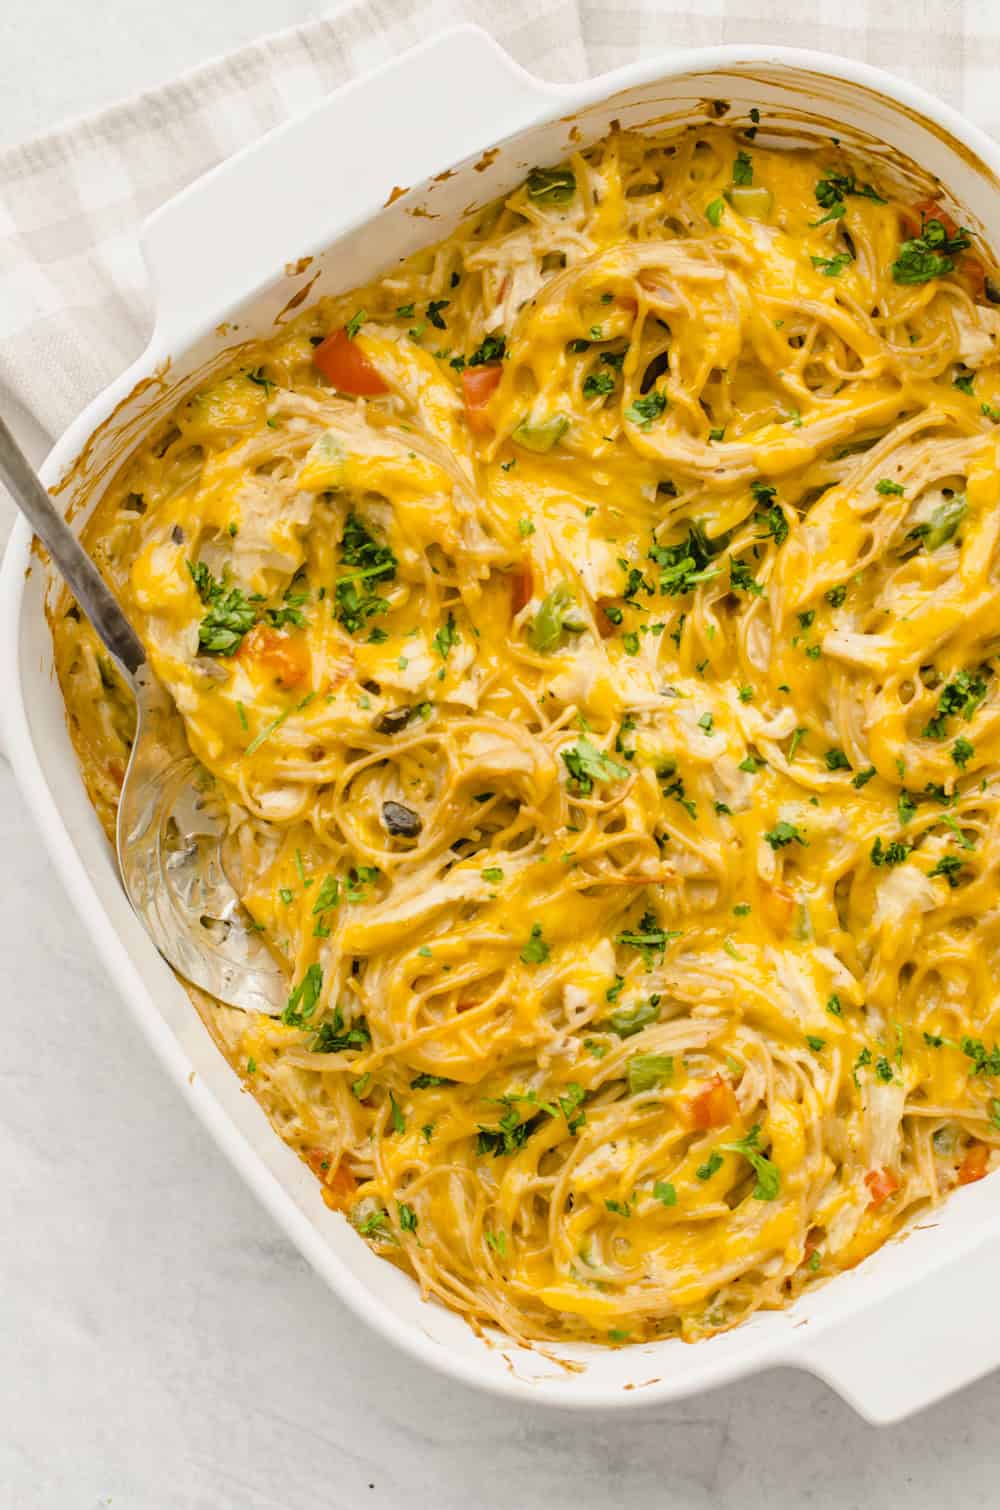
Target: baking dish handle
x,y
318,174
914,1346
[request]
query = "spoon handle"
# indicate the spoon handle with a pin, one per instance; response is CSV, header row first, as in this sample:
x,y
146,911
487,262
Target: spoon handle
x,y
77,570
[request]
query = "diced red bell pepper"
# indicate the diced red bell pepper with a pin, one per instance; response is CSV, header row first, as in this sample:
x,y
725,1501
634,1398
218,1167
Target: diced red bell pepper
x,y
344,364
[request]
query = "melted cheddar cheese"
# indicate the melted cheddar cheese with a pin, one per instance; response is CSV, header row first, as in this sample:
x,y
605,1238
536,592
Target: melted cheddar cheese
x,y
591,627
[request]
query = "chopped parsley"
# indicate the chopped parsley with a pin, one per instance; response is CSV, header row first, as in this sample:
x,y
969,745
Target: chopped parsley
x,y
598,385
949,866
741,578
772,522
891,854
491,349
958,698
587,764
685,566
784,833
355,601
289,611
648,937
303,1000
230,614
642,411
376,1225
446,637
984,1062
510,1134
513,1130
768,1175
835,188
831,267
328,895
929,255
333,1037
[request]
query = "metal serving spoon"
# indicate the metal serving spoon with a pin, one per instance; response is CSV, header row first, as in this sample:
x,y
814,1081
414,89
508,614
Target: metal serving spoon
x,y
171,829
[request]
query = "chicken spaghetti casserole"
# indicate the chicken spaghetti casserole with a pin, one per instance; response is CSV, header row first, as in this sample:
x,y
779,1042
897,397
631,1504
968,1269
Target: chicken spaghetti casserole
x,y
590,625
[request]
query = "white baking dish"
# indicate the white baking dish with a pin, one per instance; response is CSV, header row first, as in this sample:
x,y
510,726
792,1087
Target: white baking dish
x,y
917,1320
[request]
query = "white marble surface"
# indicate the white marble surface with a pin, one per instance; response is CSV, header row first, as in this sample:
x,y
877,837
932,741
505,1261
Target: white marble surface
x,y
161,1345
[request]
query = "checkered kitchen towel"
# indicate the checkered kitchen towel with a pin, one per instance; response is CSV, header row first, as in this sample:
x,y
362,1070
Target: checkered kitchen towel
x,y
74,306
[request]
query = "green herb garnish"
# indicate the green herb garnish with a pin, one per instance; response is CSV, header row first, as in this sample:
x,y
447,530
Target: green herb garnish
x,y
536,950
230,614
355,601
784,833
587,764
929,255
768,1175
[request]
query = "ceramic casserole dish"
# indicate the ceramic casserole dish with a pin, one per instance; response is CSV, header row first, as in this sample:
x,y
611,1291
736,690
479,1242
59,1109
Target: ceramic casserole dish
x,y
912,1323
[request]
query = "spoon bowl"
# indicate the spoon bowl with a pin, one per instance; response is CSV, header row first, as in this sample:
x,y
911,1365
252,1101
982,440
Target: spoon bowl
x,y
172,823
171,838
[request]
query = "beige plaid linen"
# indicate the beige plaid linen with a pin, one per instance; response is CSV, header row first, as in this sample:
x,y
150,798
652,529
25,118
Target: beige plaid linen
x,y
74,306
